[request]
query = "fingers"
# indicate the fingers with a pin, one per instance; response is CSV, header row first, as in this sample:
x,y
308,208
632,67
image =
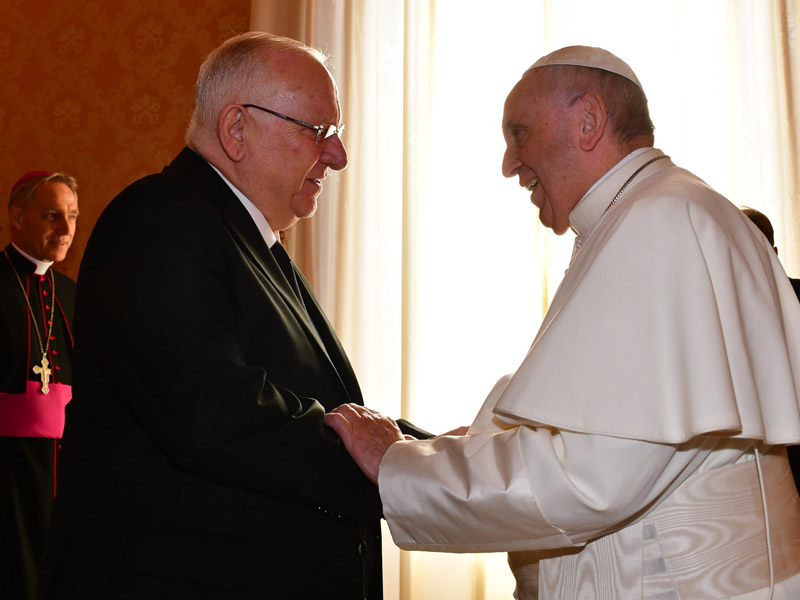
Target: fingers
x,y
355,410
342,408
338,423
366,435
356,415
349,421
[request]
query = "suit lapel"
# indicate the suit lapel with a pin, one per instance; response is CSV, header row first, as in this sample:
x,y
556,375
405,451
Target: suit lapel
x,y
246,236
249,240
331,341
311,316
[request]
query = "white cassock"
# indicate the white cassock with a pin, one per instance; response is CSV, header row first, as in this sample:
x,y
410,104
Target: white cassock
x,y
624,458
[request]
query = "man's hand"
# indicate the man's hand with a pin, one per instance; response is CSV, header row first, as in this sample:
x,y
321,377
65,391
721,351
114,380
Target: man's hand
x,y
366,434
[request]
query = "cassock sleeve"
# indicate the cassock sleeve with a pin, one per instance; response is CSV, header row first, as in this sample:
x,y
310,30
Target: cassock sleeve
x,y
525,488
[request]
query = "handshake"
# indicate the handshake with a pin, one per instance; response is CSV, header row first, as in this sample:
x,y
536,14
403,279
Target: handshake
x,y
367,435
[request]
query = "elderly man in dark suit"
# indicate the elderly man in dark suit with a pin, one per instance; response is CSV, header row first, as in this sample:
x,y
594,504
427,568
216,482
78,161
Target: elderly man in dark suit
x,y
196,460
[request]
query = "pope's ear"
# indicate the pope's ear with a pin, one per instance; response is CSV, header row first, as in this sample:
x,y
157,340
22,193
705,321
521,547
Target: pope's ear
x,y
230,130
594,120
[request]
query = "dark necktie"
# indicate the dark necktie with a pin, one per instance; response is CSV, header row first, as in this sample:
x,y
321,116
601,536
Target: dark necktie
x,y
280,254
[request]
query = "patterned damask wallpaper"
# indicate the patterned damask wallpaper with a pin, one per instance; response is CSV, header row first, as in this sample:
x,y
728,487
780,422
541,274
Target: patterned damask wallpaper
x,y
101,89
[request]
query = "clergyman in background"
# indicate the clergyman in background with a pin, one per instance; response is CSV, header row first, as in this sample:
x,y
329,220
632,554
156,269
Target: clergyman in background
x,y
765,226
36,306
763,223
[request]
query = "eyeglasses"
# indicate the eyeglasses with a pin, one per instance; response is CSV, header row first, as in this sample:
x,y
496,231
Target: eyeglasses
x,y
323,131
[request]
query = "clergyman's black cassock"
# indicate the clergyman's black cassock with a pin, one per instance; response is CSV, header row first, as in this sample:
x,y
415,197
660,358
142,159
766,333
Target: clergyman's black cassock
x,y
28,463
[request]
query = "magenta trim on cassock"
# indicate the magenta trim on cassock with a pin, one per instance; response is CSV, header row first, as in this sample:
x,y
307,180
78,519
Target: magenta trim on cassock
x,y
34,414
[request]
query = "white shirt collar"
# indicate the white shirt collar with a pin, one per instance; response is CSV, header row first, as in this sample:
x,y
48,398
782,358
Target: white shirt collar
x,y
258,217
41,265
595,201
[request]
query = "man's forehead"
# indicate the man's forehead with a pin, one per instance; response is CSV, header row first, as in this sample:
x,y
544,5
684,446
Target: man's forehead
x,y
293,65
55,190
297,75
523,98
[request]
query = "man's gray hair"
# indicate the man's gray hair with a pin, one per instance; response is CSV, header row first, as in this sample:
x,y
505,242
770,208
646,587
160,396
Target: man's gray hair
x,y
235,71
628,113
23,193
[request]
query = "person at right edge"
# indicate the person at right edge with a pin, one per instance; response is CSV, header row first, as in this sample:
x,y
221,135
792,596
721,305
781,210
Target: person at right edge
x,y
763,223
635,449
196,460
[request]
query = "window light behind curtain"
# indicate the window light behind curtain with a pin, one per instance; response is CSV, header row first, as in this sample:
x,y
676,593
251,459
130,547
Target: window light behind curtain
x,y
431,265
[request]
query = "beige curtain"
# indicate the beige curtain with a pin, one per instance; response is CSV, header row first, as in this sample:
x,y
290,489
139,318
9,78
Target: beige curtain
x,y
432,267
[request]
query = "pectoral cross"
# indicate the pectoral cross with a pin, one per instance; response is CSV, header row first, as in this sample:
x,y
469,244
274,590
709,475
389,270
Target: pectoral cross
x,y
44,372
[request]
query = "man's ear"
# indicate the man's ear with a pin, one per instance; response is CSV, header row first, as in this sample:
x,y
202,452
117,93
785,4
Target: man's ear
x,y
15,217
594,119
230,131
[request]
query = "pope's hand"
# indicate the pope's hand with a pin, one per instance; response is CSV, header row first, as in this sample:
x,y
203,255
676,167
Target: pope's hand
x,y
366,434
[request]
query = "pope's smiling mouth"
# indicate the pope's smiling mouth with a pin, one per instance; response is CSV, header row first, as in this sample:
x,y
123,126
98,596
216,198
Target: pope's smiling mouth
x,y
532,185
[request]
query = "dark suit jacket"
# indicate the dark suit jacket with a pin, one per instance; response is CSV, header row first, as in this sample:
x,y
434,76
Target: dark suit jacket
x,y
196,462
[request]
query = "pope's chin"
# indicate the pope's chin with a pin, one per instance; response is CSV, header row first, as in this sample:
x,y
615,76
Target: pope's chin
x,y
557,228
547,219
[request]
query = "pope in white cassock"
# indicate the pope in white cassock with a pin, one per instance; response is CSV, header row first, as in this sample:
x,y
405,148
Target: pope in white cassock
x,y
639,449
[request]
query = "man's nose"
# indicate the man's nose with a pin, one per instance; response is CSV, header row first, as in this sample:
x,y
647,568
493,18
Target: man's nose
x,y
63,225
510,162
333,153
